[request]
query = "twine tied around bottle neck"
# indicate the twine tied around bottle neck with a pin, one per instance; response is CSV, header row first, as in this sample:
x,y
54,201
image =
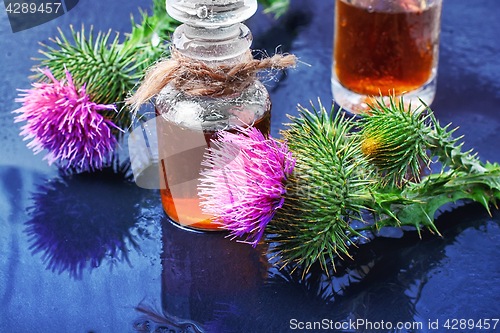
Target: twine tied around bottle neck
x,y
196,78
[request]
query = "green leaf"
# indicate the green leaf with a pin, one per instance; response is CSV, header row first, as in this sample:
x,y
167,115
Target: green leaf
x,y
276,7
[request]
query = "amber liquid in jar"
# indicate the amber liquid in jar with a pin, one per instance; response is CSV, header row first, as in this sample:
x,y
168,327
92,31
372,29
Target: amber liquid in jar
x,y
182,171
388,48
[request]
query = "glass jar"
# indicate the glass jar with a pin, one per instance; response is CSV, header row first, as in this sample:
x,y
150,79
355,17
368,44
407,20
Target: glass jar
x,y
186,124
384,48
185,127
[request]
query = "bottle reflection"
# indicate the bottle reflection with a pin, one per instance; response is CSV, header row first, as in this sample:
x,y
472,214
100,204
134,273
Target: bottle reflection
x,y
203,271
209,283
78,220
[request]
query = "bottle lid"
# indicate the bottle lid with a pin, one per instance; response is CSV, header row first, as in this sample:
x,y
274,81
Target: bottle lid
x,y
211,13
212,29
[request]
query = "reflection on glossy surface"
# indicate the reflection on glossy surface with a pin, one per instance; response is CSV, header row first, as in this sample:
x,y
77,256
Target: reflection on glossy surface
x,y
74,228
153,320
202,271
385,280
386,277
209,283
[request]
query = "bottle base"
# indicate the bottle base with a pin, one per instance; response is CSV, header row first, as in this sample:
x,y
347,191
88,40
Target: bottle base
x,y
190,228
191,217
356,104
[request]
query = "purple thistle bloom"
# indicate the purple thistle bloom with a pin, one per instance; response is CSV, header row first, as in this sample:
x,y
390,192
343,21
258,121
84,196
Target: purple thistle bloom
x,y
245,181
64,121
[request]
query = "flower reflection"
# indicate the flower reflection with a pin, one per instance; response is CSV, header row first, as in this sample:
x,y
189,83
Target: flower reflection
x,y
78,220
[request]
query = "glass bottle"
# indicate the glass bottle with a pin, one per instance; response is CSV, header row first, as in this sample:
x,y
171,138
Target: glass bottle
x,y
211,33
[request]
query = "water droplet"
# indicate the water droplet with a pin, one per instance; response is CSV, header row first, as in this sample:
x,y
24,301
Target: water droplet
x,y
202,12
370,9
155,39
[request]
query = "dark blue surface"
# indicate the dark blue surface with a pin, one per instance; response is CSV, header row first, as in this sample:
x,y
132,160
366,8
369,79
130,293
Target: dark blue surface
x,y
79,253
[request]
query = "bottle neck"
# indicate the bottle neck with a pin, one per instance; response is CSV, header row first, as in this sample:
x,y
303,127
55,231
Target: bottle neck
x,y
214,46
212,31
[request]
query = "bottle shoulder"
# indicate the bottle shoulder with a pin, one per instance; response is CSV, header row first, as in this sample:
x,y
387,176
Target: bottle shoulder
x,y
214,113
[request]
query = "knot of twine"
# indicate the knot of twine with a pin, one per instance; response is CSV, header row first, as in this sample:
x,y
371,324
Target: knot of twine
x,y
198,79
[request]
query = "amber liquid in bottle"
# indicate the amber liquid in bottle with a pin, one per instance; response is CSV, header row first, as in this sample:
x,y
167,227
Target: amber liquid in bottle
x,y
381,50
182,170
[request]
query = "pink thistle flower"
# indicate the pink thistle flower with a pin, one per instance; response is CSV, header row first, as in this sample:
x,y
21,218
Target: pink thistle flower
x,y
245,181
64,121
